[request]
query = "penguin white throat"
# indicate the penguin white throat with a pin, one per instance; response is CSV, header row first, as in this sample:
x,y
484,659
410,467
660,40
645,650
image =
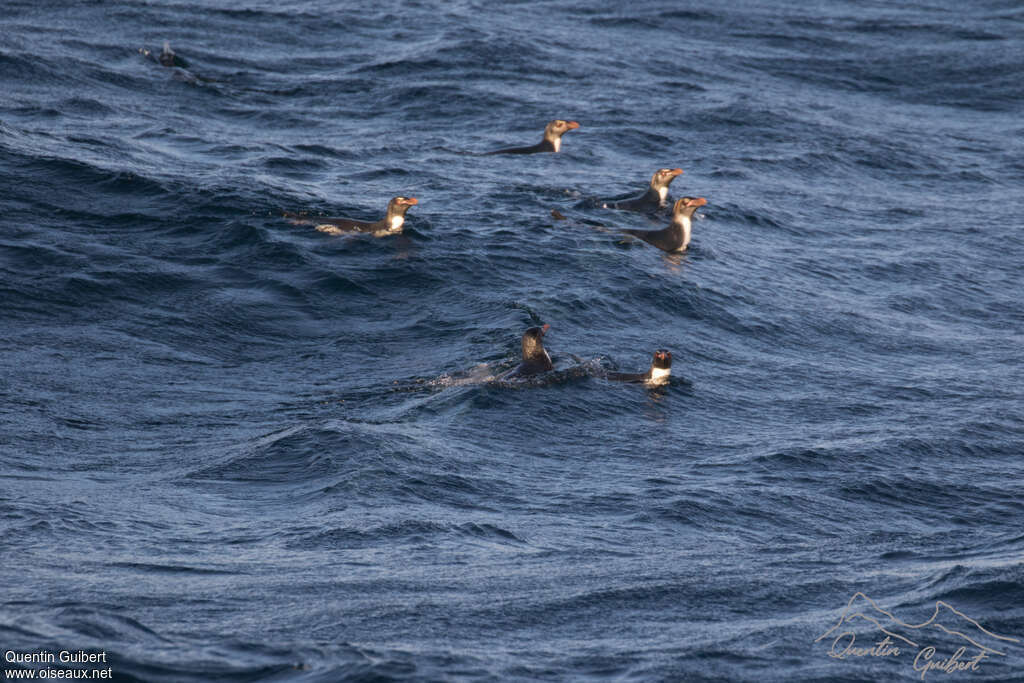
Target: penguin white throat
x,y
396,223
684,223
659,375
662,195
557,142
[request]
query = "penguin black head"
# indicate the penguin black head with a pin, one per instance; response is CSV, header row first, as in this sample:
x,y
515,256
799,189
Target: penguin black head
x,y
533,345
555,129
687,205
663,177
399,205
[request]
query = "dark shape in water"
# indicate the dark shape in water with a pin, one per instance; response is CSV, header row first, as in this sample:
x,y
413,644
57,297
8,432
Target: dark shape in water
x,y
535,358
167,56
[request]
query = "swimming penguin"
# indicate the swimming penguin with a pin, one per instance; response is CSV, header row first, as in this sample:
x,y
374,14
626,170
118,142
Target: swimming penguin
x,y
656,195
552,141
535,359
166,56
660,371
391,224
677,235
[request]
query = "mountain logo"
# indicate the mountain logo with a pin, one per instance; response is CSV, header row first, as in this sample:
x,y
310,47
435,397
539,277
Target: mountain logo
x,y
889,636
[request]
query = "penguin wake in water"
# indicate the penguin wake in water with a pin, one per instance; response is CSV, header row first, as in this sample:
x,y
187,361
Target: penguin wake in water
x,y
676,236
391,224
535,358
656,196
552,141
657,375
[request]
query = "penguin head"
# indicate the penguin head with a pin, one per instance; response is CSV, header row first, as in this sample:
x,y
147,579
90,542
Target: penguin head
x,y
399,205
663,177
662,359
687,205
533,344
558,127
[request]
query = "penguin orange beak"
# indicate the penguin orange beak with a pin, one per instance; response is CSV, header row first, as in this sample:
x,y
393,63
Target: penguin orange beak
x,y
545,327
699,201
572,125
677,171
412,201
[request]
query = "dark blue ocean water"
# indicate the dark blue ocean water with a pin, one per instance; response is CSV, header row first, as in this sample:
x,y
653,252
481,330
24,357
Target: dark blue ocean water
x,y
232,448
